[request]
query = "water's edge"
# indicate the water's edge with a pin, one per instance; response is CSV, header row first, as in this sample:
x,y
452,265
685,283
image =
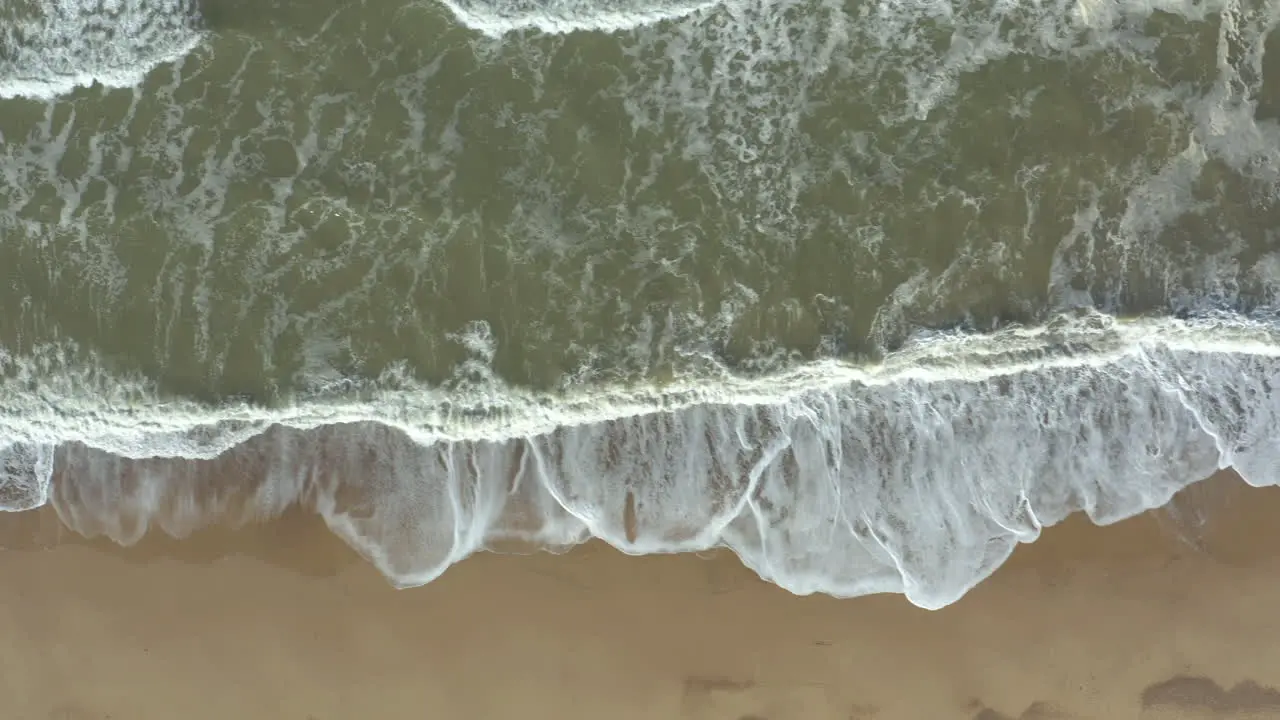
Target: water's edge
x,y
917,476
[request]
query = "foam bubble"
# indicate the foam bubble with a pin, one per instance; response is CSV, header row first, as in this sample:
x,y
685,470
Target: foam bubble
x,y
918,476
51,47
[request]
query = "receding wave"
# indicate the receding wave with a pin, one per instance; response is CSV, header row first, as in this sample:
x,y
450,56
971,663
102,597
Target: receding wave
x,y
918,475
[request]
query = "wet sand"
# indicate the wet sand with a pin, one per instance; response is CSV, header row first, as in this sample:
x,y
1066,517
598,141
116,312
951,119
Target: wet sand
x,y
1145,619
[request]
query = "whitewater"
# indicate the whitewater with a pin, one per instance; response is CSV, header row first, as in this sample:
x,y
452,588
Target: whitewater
x,y
918,475
481,276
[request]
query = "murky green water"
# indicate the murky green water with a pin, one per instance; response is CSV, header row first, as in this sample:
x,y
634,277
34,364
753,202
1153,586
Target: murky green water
x,y
443,216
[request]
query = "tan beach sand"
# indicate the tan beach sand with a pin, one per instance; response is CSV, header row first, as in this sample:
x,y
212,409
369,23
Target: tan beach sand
x,y
282,621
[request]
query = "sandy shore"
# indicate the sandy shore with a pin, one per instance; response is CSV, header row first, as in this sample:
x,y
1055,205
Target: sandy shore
x,y
1137,620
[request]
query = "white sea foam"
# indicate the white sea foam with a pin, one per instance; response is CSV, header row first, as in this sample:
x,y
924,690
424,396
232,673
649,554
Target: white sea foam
x,y
918,475
51,47
561,17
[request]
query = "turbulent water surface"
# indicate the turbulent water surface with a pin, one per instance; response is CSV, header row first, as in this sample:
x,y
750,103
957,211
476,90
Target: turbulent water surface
x,y
868,291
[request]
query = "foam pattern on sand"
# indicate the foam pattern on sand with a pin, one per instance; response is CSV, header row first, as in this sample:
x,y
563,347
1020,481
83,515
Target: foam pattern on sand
x,y
917,476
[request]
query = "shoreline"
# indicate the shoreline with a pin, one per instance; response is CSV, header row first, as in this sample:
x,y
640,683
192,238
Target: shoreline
x,y
284,621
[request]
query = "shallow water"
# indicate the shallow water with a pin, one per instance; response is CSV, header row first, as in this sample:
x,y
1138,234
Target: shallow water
x,y
868,292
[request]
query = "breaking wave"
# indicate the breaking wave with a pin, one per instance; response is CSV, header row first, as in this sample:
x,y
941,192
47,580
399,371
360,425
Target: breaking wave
x,y
51,47
918,475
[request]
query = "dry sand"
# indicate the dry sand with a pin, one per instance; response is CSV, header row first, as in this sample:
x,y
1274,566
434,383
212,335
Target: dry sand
x,y
283,622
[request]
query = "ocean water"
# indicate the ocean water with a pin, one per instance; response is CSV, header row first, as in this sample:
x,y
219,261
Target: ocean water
x,y
866,291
